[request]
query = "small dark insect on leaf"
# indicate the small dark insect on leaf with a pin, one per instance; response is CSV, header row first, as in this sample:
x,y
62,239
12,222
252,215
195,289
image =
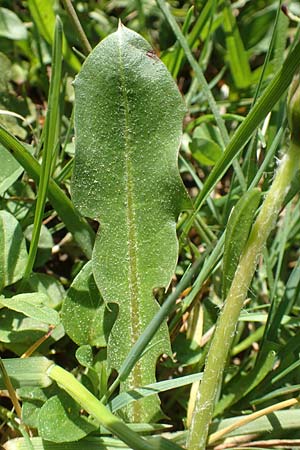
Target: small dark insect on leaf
x,y
151,54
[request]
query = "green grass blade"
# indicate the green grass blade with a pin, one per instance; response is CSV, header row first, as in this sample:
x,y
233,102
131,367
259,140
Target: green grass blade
x,y
237,57
251,164
77,26
88,443
237,232
199,26
127,397
195,66
210,262
49,144
75,223
202,81
279,305
43,15
275,393
241,387
175,63
263,106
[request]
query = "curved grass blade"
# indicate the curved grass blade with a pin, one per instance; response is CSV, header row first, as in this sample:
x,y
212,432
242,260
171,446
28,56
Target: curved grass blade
x,y
203,83
75,223
127,397
128,121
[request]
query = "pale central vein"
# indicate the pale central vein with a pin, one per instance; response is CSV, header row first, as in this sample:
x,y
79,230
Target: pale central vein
x,y
133,277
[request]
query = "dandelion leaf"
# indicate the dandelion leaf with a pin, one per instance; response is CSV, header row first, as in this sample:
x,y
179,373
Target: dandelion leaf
x,y
128,122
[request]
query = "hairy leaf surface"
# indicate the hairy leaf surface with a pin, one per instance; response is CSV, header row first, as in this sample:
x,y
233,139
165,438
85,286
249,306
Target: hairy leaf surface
x,y
128,121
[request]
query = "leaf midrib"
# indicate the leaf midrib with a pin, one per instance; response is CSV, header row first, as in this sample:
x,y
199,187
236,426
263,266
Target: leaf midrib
x,y
133,277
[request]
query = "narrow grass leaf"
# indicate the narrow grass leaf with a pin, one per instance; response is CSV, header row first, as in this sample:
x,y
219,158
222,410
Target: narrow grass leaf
x,y
42,12
237,233
49,144
195,66
203,83
128,130
174,58
127,397
237,57
291,292
240,388
192,38
263,106
76,224
278,304
274,394
88,443
281,42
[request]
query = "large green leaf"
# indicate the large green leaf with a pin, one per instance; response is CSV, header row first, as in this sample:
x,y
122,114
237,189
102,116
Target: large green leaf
x,y
128,119
83,310
48,285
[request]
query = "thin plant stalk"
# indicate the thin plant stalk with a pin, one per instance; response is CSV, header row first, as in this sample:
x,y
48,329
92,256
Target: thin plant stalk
x,y
77,26
228,319
198,71
11,390
101,413
215,437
